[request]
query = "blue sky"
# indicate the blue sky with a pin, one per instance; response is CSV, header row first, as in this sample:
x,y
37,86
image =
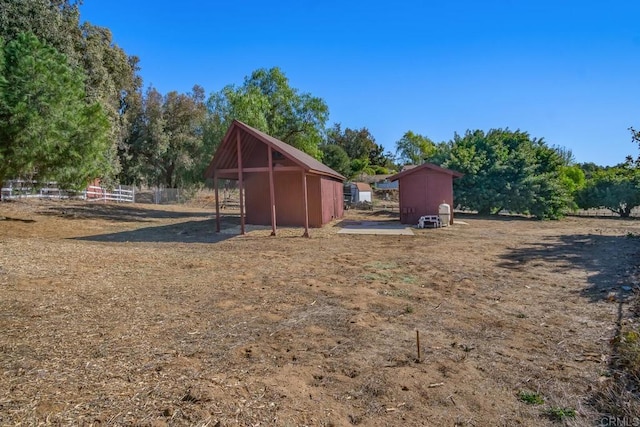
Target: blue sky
x,y
567,71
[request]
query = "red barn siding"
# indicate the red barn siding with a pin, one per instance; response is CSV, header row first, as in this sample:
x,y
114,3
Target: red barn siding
x,y
422,192
246,146
288,194
255,157
314,198
289,199
257,208
332,200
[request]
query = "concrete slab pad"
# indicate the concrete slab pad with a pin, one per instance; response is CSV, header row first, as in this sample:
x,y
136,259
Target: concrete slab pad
x,y
376,227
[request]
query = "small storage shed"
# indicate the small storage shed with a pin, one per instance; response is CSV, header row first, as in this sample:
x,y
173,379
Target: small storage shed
x,y
277,182
422,189
361,192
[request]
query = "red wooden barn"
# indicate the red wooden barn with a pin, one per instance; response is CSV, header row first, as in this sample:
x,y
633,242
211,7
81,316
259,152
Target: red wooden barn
x,y
422,189
280,183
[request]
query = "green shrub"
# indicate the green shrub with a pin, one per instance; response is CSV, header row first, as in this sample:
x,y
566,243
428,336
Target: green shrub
x,y
558,413
531,398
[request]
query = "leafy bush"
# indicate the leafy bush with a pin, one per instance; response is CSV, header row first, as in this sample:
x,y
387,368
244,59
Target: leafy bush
x,y
531,398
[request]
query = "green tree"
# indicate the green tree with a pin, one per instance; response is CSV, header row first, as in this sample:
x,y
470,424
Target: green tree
x,y
589,169
54,22
113,81
47,129
111,76
184,115
390,162
441,154
149,142
614,188
377,157
414,149
267,102
336,158
635,137
507,170
550,196
129,150
230,104
168,138
357,143
361,167
573,179
481,162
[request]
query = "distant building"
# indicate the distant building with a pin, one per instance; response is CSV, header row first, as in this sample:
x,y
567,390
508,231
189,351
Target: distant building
x,y
361,192
386,185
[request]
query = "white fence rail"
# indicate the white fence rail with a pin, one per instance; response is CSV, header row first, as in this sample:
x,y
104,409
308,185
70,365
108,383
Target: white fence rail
x,y
24,189
18,189
121,193
602,212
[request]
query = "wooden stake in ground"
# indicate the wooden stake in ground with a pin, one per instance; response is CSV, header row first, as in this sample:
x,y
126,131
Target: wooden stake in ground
x,y
418,343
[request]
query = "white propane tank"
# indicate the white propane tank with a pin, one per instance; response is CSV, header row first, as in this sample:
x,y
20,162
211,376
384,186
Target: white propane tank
x,y
444,211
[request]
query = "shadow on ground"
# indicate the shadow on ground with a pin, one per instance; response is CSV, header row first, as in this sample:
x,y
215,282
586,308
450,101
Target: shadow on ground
x,y
610,259
386,214
185,232
368,223
614,262
379,216
114,212
6,218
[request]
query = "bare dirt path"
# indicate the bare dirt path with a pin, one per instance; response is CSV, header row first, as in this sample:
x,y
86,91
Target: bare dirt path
x,y
138,314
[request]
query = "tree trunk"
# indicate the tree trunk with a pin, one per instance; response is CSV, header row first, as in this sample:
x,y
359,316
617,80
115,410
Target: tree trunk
x,y
169,176
625,212
485,210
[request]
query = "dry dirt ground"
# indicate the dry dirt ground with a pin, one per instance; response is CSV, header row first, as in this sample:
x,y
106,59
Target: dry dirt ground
x,y
142,315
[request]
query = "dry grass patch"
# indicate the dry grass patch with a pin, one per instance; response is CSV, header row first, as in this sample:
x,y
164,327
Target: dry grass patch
x,y
144,315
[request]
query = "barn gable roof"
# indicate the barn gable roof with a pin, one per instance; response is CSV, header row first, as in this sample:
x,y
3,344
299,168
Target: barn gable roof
x,y
226,156
431,166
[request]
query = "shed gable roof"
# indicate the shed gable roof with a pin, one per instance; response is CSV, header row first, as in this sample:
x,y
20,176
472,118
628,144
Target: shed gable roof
x,y
431,166
226,156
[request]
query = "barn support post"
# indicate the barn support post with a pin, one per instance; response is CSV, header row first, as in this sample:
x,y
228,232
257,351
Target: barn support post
x,y
240,183
215,186
306,204
272,195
